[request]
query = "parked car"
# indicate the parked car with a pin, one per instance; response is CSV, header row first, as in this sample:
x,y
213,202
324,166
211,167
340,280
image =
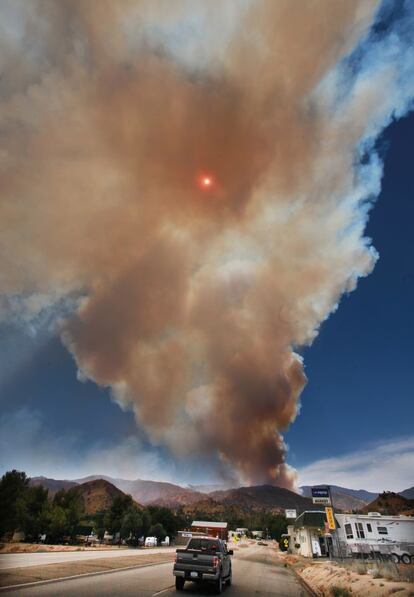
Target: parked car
x,y
204,559
151,542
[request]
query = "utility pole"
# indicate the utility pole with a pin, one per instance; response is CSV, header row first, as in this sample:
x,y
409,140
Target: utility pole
x,y
334,531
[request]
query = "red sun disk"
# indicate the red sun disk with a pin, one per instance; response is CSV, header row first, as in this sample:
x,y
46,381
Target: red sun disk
x,y
205,181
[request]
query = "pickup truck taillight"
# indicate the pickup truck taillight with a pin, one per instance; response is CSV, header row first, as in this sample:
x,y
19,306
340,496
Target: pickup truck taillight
x,y
216,562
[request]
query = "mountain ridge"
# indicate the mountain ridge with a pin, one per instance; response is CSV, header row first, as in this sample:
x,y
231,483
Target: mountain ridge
x,y
174,496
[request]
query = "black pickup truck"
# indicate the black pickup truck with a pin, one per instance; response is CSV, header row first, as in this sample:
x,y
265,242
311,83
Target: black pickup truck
x,y
205,559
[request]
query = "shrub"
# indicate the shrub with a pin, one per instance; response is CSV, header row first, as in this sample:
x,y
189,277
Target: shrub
x,y
391,574
360,569
340,592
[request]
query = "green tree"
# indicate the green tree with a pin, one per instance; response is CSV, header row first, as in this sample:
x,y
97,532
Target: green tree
x,y
13,486
131,527
31,512
166,518
157,530
58,523
146,521
98,521
113,519
71,503
277,527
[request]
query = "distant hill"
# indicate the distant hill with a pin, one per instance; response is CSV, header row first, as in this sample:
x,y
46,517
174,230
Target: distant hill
x,y
98,491
97,495
408,493
208,488
262,497
216,498
344,498
389,502
152,492
53,485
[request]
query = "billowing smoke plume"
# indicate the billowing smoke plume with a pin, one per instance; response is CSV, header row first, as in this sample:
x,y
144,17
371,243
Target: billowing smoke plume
x,y
189,301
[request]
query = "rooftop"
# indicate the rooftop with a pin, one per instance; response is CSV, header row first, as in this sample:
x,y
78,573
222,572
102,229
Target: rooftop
x,y
312,518
209,525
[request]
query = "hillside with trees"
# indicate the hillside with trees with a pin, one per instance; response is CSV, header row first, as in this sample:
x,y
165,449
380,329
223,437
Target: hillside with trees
x,y
391,503
97,505
67,514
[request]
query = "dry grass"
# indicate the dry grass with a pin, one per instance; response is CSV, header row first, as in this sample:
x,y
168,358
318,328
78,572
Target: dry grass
x,y
16,576
41,548
340,592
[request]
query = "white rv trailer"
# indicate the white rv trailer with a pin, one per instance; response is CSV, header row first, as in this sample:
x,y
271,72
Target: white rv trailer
x,y
374,534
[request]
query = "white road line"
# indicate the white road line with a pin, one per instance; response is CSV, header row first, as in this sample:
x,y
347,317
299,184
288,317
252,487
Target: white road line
x,y
162,591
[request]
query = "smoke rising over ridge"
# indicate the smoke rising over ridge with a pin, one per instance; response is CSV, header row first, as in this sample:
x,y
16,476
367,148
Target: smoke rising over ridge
x,y
189,302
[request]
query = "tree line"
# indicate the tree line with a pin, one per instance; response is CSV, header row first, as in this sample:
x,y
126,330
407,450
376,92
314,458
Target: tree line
x,y
62,518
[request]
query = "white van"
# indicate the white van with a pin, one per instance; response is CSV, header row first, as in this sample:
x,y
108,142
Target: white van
x,y
151,542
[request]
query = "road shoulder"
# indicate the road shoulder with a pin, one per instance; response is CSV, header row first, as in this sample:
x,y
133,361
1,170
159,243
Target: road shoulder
x,y
15,577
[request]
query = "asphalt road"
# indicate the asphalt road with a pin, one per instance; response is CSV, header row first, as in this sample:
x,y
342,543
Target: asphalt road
x,y
256,571
22,560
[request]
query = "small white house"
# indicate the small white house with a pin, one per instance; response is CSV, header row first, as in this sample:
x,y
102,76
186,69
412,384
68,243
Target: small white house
x,y
307,534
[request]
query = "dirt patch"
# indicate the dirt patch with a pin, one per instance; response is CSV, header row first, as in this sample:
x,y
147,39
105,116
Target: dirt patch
x,y
17,576
324,578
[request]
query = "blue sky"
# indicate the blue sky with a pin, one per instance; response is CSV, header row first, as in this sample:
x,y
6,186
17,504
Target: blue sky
x,y
169,297
360,371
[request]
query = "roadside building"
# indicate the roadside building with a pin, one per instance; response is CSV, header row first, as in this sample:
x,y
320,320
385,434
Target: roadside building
x,y
214,529
308,536
183,537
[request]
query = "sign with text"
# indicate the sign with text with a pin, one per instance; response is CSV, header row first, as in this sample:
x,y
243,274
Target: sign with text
x,y
321,500
330,518
290,514
320,495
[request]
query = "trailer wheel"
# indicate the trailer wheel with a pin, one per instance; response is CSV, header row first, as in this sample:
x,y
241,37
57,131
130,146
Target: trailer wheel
x,y
406,558
395,558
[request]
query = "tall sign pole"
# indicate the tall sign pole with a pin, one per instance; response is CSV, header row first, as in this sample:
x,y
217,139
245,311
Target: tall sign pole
x,y
323,496
330,516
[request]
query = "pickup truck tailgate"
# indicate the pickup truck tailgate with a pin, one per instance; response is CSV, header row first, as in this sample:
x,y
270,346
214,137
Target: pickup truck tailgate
x,y
195,560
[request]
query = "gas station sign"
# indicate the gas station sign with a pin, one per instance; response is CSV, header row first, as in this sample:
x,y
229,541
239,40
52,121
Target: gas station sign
x,y
330,518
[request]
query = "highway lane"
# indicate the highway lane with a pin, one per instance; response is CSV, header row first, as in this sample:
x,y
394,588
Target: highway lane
x,y
22,560
256,571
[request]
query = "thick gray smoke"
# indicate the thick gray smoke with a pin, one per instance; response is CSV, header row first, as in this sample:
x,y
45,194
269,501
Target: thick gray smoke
x,y
190,299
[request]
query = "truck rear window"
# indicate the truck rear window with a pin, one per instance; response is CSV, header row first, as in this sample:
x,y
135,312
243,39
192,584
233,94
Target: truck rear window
x,y
204,545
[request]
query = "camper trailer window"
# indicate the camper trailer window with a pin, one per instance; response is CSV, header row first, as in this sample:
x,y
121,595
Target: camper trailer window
x,y
383,530
348,531
360,530
369,528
